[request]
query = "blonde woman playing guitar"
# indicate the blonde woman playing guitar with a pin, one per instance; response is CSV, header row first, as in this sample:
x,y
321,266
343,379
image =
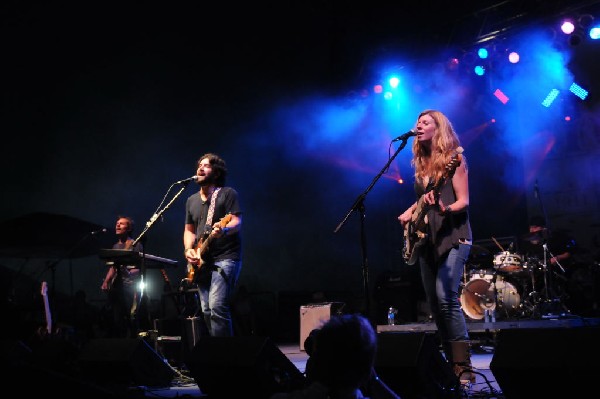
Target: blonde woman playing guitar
x,y
441,212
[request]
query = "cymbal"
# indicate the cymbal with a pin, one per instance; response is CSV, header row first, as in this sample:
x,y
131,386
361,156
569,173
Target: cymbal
x,y
537,236
478,250
49,236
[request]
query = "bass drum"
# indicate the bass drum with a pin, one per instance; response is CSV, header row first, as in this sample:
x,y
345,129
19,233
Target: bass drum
x,y
499,296
476,297
508,298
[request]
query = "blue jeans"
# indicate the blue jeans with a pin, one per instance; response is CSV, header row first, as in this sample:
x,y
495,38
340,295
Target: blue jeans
x,y
441,282
216,289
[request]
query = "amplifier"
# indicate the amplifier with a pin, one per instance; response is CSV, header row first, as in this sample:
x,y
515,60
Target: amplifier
x,y
314,315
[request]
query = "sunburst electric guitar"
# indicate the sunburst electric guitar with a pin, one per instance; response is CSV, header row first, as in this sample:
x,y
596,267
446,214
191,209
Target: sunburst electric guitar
x,y
202,247
415,231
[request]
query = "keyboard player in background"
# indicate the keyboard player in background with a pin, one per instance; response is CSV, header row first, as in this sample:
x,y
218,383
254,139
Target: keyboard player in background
x,y
121,285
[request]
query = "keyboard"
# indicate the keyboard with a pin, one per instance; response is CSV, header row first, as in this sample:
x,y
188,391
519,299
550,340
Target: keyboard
x,y
128,257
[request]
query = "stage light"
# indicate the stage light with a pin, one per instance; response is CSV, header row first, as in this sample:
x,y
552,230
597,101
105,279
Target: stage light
x,y
479,70
513,57
388,95
482,53
567,27
378,89
501,96
550,98
452,64
585,21
394,82
595,32
578,91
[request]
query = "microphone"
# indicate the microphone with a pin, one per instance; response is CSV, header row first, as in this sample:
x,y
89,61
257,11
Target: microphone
x,y
100,231
405,136
187,180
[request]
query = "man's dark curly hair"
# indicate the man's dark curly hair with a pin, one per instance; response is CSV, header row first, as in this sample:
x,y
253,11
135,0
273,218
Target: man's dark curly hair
x,y
218,166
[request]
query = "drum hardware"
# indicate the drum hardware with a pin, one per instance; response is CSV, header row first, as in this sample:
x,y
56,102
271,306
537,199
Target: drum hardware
x,y
547,303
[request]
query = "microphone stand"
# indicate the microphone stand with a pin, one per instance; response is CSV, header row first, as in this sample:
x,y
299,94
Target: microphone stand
x,y
539,197
159,212
360,207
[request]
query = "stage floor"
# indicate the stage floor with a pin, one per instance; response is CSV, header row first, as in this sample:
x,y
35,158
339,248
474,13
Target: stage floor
x,y
481,326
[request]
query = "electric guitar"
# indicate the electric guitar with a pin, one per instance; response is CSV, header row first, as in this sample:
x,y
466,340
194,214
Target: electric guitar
x,y
202,247
44,292
415,231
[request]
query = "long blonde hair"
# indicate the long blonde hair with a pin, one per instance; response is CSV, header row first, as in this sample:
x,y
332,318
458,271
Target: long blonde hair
x,y
431,161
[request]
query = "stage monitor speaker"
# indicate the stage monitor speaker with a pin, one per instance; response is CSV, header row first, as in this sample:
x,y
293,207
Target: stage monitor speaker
x,y
244,366
31,372
411,364
544,361
124,362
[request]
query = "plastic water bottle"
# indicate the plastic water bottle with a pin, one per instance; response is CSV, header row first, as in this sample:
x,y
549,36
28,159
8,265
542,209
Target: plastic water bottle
x,y
391,316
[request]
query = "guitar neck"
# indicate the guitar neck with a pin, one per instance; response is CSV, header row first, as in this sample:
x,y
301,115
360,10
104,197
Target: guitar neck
x,y
166,279
47,308
48,316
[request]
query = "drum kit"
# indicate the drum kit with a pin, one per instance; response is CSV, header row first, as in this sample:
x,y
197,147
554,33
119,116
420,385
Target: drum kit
x,y
514,286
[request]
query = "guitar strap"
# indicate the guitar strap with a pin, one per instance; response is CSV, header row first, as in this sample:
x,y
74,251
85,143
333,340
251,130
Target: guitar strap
x,y
209,218
211,209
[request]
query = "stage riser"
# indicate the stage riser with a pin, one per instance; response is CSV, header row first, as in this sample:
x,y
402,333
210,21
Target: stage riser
x,y
483,327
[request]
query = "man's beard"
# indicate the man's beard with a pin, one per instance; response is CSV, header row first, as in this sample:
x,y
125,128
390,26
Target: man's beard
x,y
207,181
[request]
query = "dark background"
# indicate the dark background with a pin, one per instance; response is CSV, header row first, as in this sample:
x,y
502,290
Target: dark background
x,y
104,107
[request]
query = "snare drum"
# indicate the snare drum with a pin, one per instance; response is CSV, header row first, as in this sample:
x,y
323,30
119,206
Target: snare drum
x,y
508,262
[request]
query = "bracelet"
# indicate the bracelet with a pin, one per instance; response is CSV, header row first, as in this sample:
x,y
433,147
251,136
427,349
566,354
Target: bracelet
x,y
448,210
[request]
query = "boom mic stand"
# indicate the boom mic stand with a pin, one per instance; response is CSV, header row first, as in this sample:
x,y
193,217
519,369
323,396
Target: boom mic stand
x,y
158,214
359,205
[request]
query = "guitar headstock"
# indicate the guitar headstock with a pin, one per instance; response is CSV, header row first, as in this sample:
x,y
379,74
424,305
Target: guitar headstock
x,y
454,162
225,219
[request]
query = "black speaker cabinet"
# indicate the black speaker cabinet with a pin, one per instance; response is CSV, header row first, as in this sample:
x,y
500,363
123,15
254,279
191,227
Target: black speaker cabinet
x,y
411,364
245,366
124,362
542,362
41,371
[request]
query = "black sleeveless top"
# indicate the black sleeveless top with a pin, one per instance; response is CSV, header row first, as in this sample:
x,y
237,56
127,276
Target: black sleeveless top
x,y
445,231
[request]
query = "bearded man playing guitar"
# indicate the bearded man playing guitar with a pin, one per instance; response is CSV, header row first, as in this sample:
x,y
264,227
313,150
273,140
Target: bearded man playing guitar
x,y
438,229
212,242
